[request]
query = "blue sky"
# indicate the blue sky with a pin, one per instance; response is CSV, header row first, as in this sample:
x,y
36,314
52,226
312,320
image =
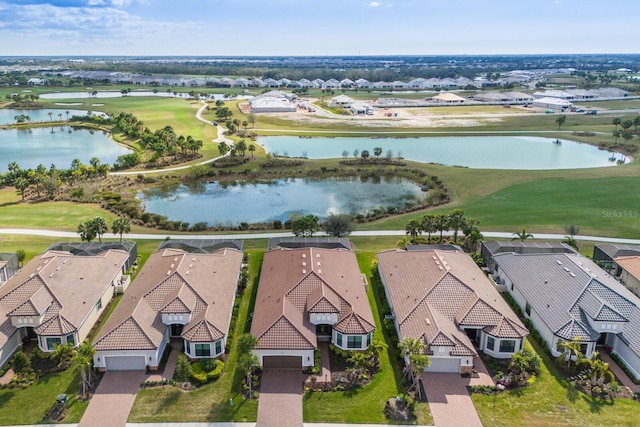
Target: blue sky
x,y
317,27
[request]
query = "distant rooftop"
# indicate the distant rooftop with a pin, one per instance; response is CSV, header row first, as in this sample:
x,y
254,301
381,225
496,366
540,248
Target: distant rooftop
x,y
310,242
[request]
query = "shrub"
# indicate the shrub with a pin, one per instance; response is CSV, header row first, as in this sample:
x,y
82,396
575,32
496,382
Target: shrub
x,y
201,375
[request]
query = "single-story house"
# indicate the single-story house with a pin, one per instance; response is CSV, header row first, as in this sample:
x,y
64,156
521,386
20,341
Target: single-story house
x,y
341,101
605,254
630,272
444,299
551,103
567,297
305,295
559,94
491,248
496,97
363,84
271,104
346,83
611,92
583,94
35,81
8,266
519,97
57,298
360,108
184,294
447,98
331,84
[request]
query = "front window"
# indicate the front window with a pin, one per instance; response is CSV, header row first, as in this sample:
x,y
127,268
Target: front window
x,y
338,339
218,347
52,342
507,346
203,350
99,305
491,342
527,309
583,348
354,341
71,340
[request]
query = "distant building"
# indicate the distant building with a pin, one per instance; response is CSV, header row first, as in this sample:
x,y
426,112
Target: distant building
x,y
447,98
8,266
551,103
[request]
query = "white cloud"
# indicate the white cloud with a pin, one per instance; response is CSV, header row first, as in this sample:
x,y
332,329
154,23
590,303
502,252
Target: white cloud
x,y
374,4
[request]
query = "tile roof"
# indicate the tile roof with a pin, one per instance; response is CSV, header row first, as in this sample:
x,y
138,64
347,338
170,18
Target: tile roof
x,y
434,293
567,290
631,264
62,288
296,281
172,279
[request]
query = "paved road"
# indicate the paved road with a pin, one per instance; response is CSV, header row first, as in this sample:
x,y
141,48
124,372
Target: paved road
x,y
220,138
248,236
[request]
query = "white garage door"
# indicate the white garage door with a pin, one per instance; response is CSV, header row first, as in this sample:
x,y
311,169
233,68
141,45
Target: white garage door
x,y
125,363
446,364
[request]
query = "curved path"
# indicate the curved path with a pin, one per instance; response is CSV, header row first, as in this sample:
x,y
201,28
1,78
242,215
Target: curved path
x,y
247,236
219,139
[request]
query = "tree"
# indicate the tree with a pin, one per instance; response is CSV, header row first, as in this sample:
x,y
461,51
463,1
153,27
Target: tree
x,y
22,254
120,226
402,243
50,116
413,229
82,361
345,154
338,225
636,123
247,360
241,146
428,225
627,135
305,226
413,352
62,353
599,370
223,148
14,168
616,134
99,226
251,149
377,151
251,118
441,224
183,369
21,185
364,154
561,120
457,220
86,232
626,124
571,350
616,121
472,234
522,236
569,239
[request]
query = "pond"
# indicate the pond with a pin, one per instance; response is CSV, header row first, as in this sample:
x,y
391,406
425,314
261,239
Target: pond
x,y
7,116
219,204
478,152
30,147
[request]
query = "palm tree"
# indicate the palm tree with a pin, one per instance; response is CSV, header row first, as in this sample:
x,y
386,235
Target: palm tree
x,y
616,134
21,185
86,232
120,226
522,236
413,228
247,361
457,221
428,225
377,151
571,350
99,226
14,168
223,148
50,116
636,123
616,121
561,120
82,361
413,352
67,114
251,149
600,370
441,224
402,243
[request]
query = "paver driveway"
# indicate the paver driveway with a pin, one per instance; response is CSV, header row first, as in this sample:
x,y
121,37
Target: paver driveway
x,y
113,399
280,398
449,401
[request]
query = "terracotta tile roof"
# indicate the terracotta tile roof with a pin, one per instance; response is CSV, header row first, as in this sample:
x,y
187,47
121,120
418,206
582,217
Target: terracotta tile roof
x,y
505,328
631,264
353,323
295,280
435,293
171,279
61,287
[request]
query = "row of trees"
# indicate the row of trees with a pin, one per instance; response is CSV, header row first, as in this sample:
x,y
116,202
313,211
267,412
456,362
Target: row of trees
x,y
237,149
335,225
625,132
455,221
51,180
97,227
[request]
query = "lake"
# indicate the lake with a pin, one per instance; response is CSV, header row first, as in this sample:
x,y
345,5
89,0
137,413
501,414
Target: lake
x,y
478,152
220,204
30,147
39,115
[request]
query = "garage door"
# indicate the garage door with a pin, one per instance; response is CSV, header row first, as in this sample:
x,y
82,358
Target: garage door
x,y
125,363
282,362
446,364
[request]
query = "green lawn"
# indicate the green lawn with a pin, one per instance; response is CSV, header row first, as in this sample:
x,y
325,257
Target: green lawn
x,y
210,402
552,401
29,405
363,405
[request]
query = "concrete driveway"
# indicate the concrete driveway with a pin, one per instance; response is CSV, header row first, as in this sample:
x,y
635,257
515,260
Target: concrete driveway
x,y
113,399
449,401
280,398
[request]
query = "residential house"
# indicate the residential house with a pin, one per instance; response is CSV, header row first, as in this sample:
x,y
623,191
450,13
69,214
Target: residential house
x,y
442,298
346,83
331,84
8,266
57,298
558,94
185,291
447,98
363,84
340,101
309,291
568,297
272,102
605,254
611,92
551,103
490,249
630,272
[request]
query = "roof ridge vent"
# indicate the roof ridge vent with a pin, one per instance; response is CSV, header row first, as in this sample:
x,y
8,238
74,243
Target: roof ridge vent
x,y
565,269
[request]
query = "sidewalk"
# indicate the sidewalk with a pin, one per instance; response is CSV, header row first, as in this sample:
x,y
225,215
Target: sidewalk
x,y
619,373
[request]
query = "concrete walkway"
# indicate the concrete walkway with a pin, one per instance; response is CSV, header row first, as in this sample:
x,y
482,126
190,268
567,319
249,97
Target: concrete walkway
x,y
622,377
7,377
113,399
325,362
170,367
280,402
